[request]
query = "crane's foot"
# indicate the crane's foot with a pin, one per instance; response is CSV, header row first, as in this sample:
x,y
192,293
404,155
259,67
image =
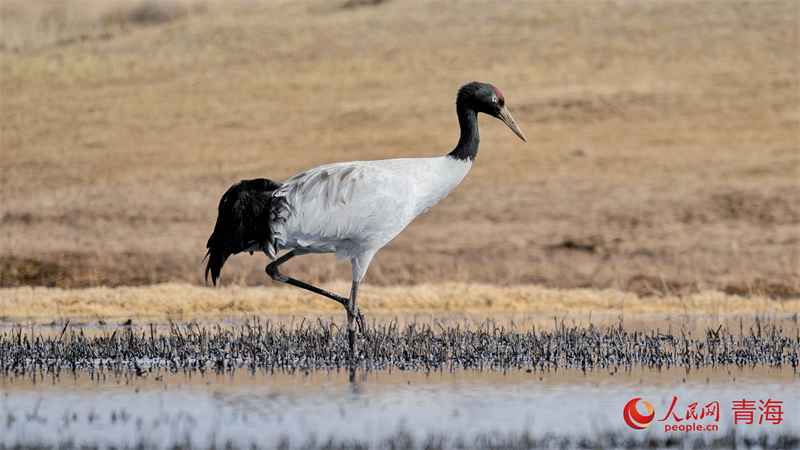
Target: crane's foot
x,y
360,321
358,318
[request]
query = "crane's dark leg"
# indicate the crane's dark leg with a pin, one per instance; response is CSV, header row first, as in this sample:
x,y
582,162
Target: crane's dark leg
x,y
272,271
353,313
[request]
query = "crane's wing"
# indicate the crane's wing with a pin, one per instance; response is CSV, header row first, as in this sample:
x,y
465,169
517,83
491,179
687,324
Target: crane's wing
x,y
347,206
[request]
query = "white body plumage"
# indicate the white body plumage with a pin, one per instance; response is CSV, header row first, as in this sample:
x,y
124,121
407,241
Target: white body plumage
x,y
353,209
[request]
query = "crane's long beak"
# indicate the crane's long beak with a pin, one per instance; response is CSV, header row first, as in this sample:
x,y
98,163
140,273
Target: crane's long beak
x,y
505,116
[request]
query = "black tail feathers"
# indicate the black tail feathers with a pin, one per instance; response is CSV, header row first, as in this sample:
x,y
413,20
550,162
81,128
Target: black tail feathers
x,y
243,223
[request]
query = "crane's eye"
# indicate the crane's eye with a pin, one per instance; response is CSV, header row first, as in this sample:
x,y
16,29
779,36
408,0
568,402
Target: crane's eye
x,y
496,100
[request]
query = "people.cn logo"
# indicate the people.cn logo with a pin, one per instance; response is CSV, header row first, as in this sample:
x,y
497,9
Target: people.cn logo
x,y
636,420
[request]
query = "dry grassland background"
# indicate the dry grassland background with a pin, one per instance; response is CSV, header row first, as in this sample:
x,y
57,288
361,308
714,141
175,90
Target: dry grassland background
x,y
663,155
446,302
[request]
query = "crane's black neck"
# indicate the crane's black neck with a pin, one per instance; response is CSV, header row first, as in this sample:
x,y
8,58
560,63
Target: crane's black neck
x,y
467,148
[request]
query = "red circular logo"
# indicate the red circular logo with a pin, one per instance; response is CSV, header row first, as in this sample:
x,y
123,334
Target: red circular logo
x,y
636,420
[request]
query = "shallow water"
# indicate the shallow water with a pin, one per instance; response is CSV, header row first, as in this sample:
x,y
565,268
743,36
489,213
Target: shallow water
x,y
265,408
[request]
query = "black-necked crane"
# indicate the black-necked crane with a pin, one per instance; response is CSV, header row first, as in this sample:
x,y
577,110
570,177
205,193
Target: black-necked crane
x,y
350,209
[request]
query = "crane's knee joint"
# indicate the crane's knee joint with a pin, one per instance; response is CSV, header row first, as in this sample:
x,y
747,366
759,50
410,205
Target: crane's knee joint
x,y
272,271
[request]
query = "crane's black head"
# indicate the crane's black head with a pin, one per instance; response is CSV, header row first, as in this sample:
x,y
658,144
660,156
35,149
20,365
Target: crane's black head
x,y
487,99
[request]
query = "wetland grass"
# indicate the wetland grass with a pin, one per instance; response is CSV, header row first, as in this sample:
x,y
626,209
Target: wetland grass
x,y
257,345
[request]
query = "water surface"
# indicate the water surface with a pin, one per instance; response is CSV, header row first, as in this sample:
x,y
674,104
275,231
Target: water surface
x,y
265,408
